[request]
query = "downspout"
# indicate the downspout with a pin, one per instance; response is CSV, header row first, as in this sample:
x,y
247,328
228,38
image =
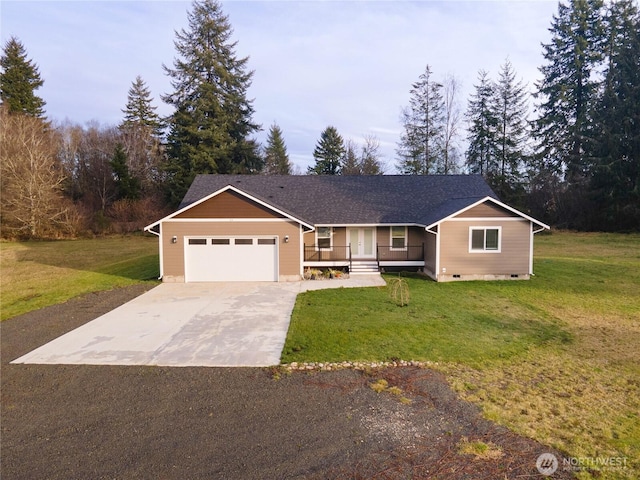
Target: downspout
x,y
159,235
533,232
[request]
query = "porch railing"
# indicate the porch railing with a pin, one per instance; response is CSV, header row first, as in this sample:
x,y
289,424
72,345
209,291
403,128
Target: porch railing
x,y
336,253
384,253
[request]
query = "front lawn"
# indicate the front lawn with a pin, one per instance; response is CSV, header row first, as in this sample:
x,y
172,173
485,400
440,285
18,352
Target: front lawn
x,y
556,358
38,274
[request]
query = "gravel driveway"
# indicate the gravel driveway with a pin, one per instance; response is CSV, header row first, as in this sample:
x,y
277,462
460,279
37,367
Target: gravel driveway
x,y
87,421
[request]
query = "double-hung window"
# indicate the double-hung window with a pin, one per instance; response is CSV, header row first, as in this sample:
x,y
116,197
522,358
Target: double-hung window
x,y
398,238
485,239
323,237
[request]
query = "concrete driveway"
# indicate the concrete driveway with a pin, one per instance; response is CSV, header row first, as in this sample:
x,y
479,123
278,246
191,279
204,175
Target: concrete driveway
x,y
195,324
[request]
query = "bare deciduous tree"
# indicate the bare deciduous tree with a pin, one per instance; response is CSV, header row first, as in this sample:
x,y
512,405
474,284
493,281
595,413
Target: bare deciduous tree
x,y
32,202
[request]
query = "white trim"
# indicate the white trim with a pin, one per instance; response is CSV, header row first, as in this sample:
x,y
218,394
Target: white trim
x,y
497,202
488,219
437,268
237,190
402,263
531,233
161,254
485,228
406,239
228,220
359,225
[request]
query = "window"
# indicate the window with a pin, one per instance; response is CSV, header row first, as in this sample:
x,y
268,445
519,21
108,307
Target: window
x,y
244,241
219,241
323,237
197,241
486,239
398,238
266,241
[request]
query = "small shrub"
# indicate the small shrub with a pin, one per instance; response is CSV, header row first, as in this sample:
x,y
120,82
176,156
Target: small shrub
x,y
481,450
399,291
379,386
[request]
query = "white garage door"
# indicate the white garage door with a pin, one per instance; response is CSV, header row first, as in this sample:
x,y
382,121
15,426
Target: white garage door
x,y
231,259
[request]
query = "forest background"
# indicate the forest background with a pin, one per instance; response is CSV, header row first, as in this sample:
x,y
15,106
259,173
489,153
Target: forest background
x,y
567,153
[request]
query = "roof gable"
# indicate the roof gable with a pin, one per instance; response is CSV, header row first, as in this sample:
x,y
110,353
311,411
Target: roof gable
x,y
229,188
229,204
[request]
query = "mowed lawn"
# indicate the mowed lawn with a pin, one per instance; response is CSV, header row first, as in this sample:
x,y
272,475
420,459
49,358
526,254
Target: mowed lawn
x,y
38,274
556,358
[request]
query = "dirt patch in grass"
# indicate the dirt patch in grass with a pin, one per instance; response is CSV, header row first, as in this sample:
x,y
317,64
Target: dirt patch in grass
x,y
72,421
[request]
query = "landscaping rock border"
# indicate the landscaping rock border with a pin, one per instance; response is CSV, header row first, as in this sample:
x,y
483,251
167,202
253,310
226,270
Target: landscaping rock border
x,y
329,366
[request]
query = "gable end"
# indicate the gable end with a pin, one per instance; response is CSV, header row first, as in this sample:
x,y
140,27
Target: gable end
x,y
486,210
229,204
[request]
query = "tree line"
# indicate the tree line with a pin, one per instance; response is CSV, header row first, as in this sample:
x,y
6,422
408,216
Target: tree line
x,y
575,164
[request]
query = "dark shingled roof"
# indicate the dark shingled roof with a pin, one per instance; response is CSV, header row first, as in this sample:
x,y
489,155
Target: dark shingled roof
x,y
357,199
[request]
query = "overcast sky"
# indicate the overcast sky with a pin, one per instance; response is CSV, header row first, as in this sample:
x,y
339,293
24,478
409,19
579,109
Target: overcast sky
x,y
317,63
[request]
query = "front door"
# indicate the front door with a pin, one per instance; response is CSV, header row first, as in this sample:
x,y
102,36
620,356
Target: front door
x,y
363,242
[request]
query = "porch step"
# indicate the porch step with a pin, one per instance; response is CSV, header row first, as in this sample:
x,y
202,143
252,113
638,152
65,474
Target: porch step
x,y
364,268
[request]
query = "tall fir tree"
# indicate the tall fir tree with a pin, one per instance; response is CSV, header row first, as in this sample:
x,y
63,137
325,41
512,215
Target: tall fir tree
x,y
510,106
615,144
420,146
568,88
276,158
567,95
139,112
481,155
328,153
19,80
210,127
142,132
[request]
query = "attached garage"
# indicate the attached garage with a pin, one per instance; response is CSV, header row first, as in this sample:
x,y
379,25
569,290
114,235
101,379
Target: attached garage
x,y
231,259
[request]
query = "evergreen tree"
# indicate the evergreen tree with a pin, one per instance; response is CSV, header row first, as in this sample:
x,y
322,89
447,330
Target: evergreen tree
x,y
568,89
567,96
276,159
615,175
510,105
212,121
127,186
142,135
481,156
420,146
351,163
139,112
328,153
19,80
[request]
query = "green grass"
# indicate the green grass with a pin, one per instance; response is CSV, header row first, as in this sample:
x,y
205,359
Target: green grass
x,y
38,274
556,358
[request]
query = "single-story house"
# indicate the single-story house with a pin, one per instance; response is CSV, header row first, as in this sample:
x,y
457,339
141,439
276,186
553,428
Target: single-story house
x,y
271,228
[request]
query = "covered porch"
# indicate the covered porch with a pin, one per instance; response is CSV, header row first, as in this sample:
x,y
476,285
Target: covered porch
x,y
341,256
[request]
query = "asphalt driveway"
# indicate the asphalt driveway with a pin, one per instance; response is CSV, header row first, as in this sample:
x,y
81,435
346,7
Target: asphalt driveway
x,y
241,324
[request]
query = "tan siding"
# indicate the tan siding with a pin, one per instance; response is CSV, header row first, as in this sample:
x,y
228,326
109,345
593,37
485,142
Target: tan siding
x,y
229,204
512,259
486,209
173,253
